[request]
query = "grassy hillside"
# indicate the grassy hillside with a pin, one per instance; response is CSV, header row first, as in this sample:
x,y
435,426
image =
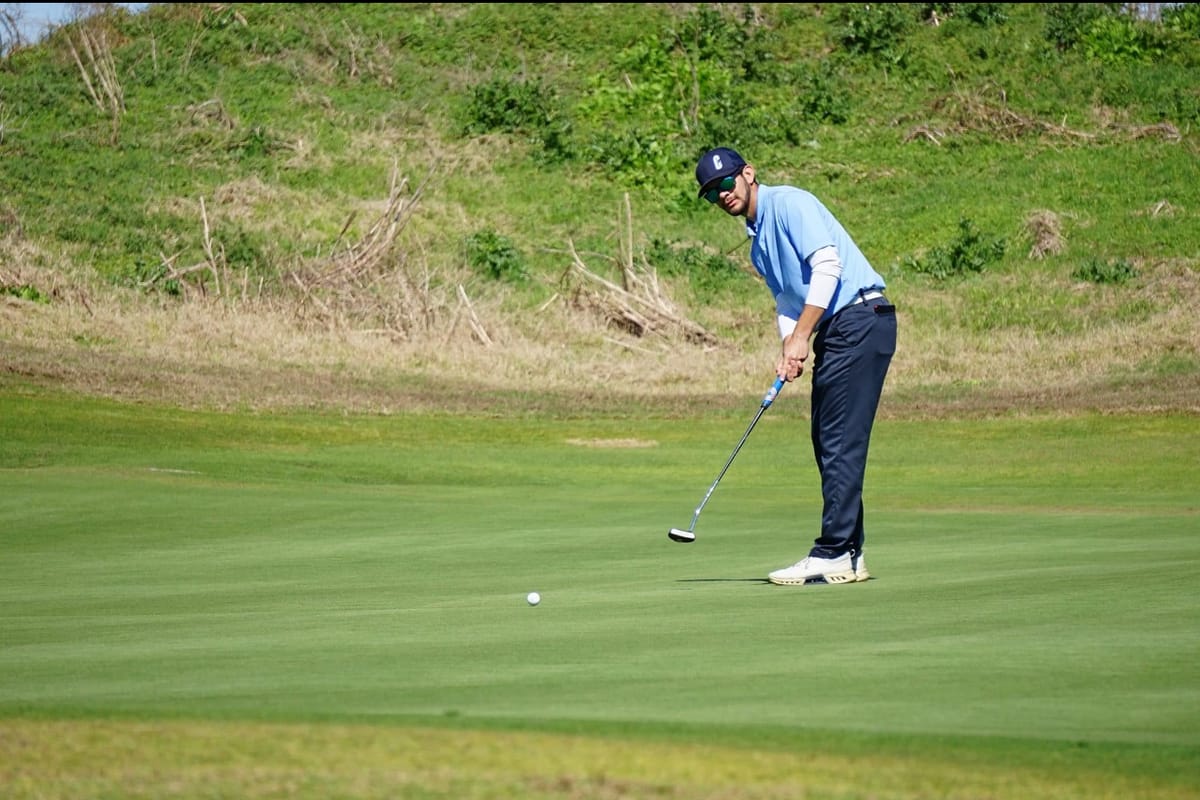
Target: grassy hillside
x,y
492,206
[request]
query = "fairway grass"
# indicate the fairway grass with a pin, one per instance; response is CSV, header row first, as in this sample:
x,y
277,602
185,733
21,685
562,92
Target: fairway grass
x,y
199,604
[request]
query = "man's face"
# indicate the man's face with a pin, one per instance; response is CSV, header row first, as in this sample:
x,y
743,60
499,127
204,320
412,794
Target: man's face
x,y
733,194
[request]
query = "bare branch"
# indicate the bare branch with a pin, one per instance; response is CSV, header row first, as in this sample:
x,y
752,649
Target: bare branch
x,y
642,314
11,16
99,71
472,318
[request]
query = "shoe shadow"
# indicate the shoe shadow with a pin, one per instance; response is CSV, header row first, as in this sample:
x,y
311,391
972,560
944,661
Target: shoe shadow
x,y
752,580
722,580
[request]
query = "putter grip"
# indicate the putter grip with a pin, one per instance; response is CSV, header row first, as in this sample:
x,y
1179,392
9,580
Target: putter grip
x,y
774,390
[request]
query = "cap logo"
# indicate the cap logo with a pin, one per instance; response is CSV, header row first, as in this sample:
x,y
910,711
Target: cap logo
x,y
717,164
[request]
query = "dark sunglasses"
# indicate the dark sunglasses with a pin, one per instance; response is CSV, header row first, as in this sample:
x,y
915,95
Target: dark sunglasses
x,y
726,185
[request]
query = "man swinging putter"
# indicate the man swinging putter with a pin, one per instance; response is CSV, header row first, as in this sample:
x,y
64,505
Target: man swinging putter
x,y
825,291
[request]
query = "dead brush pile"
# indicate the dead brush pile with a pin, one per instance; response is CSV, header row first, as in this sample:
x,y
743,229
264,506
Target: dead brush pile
x,y
988,113
372,284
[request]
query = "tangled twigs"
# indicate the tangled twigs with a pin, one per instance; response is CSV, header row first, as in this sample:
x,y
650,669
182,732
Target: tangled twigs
x,y
975,113
638,306
363,257
369,280
641,313
214,263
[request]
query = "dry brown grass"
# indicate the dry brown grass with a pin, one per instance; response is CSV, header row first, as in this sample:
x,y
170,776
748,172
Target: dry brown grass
x,y
986,111
1045,230
261,353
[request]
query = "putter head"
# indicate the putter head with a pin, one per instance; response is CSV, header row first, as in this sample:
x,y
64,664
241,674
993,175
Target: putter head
x,y
680,535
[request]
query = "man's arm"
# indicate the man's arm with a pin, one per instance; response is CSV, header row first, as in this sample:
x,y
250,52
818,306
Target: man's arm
x,y
826,272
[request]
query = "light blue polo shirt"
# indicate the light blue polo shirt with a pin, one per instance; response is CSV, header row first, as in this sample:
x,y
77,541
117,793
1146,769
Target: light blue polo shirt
x,y
790,225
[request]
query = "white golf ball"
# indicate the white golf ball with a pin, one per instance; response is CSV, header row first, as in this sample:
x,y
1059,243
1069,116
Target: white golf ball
x,y
533,598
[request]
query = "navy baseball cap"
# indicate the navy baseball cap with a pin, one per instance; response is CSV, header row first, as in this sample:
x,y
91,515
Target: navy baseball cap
x,y
720,162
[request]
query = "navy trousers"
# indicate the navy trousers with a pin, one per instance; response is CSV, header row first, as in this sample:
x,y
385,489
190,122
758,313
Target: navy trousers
x,y
851,354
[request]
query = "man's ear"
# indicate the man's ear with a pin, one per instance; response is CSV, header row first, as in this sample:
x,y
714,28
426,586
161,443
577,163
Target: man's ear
x,y
748,171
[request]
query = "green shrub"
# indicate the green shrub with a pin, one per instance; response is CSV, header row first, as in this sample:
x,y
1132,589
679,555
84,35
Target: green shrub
x,y
751,126
970,252
495,257
255,142
510,105
634,113
670,96
981,14
1183,18
708,274
25,292
874,29
1118,39
1067,23
1115,271
821,93
739,45
639,157
150,275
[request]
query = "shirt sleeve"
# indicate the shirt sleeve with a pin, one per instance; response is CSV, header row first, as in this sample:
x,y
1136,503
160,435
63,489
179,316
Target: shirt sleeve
x,y
826,273
787,324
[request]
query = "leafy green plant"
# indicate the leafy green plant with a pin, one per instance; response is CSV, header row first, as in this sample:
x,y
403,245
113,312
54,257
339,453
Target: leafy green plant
x,y
1182,17
255,143
524,107
693,83
737,44
707,273
494,255
981,14
821,92
1067,23
1112,271
149,276
971,251
1117,39
874,29
510,105
25,292
635,116
639,157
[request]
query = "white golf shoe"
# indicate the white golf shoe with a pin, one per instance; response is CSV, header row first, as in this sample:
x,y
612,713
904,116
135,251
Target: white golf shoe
x,y
816,570
859,562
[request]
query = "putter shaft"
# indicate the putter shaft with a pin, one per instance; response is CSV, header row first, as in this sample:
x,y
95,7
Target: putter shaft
x,y
675,534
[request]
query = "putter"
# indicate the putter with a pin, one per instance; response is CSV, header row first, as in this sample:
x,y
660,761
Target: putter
x,y
680,535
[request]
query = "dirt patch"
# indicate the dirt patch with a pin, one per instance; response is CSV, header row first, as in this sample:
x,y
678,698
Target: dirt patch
x,y
618,443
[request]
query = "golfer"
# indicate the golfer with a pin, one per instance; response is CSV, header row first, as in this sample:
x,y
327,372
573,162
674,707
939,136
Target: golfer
x,y
825,291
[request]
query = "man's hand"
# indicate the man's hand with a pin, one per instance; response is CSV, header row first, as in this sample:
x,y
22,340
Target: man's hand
x,y
795,353
795,344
